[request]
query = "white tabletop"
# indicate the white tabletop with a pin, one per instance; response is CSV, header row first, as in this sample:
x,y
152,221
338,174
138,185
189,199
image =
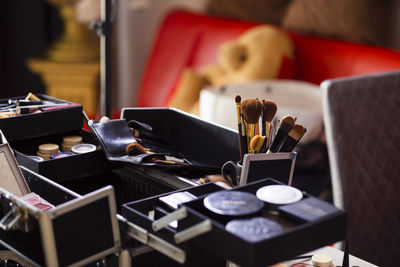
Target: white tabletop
x,y
337,257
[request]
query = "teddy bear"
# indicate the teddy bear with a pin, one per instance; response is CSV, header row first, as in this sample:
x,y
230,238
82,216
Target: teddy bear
x,y
262,52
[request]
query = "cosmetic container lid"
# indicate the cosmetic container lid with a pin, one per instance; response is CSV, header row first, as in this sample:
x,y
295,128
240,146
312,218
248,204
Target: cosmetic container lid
x,y
322,260
61,155
37,158
279,194
254,229
233,203
72,140
48,148
83,148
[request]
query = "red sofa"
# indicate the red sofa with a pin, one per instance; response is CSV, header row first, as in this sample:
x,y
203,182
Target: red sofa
x,y
189,39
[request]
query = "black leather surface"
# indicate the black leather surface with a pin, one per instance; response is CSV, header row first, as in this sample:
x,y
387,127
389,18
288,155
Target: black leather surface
x,y
114,136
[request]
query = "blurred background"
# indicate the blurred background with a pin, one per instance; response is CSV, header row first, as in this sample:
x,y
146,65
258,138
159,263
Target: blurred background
x,y
31,31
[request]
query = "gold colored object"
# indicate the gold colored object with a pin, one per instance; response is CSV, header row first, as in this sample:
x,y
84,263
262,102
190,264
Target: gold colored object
x,y
48,149
78,82
77,43
72,140
71,69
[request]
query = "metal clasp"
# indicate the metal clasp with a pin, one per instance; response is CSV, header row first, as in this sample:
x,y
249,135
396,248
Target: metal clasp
x,y
10,219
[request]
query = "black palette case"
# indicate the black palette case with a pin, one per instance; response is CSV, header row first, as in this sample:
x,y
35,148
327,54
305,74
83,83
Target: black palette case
x,y
204,229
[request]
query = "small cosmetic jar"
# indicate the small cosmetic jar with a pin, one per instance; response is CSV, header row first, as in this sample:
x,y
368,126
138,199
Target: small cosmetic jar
x,y
83,148
70,141
277,195
59,155
45,150
322,260
233,203
301,265
37,158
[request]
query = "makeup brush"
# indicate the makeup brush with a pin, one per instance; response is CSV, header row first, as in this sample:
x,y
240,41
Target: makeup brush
x,y
269,111
135,149
293,138
257,143
241,134
285,126
251,110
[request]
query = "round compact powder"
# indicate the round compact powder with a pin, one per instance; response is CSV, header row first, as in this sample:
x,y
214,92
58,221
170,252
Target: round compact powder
x,y
59,155
233,203
279,194
83,148
322,260
72,140
48,149
255,229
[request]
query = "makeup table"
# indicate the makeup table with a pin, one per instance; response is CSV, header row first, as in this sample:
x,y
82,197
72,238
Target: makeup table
x,y
337,256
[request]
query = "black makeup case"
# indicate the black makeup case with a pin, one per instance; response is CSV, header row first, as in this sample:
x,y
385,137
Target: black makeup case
x,y
78,231
198,227
26,132
143,214
203,147
49,122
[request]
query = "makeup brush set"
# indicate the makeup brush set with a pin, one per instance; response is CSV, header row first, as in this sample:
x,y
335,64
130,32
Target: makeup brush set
x,y
257,224
271,139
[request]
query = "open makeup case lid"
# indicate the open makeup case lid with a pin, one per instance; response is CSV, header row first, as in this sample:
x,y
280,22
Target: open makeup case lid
x,y
203,146
191,224
62,118
76,231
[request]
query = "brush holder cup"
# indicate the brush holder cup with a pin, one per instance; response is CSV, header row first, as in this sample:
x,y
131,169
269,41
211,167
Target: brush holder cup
x,y
279,166
231,172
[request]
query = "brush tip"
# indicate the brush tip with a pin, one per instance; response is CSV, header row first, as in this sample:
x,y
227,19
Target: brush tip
x,y
287,123
269,109
297,132
135,149
251,110
238,99
257,142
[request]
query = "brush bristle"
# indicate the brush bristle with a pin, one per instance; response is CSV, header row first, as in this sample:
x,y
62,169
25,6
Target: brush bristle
x,y
287,123
135,149
269,109
238,99
257,142
251,110
297,131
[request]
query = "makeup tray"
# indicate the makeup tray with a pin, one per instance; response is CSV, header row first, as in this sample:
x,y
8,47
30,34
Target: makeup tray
x,y
65,168
200,228
64,235
44,123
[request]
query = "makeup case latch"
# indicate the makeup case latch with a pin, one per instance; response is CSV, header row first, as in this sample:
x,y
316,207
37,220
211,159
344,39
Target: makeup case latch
x,y
156,243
